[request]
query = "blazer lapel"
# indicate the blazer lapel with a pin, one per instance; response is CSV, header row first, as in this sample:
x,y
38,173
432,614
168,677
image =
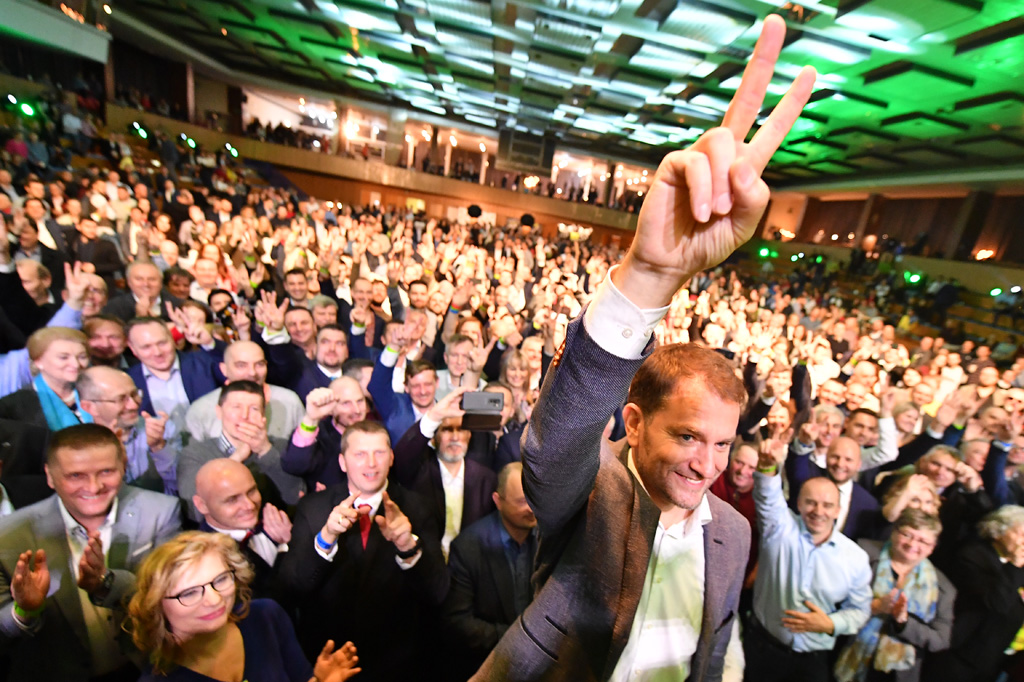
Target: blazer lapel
x,y
498,564
437,493
52,537
122,540
715,587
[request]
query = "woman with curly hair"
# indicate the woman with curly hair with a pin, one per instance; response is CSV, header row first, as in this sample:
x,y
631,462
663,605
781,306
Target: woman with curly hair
x,y
192,613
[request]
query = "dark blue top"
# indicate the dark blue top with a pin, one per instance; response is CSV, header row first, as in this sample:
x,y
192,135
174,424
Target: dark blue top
x,y
272,653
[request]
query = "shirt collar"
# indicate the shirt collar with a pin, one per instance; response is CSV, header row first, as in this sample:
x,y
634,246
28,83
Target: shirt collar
x,y
73,527
373,500
328,373
831,540
447,478
175,368
225,445
846,488
236,535
702,515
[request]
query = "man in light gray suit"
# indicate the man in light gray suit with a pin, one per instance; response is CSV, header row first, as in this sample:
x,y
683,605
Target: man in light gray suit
x,y
639,568
67,562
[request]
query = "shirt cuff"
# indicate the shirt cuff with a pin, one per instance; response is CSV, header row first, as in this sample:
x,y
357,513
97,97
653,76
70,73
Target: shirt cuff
x,y
358,330
8,267
389,357
277,338
302,438
406,564
617,325
327,556
428,427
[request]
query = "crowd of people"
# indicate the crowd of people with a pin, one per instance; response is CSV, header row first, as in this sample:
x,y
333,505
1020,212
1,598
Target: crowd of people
x,y
248,436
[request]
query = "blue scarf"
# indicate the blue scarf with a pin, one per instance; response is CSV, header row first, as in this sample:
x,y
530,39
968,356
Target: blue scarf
x,y
58,414
873,648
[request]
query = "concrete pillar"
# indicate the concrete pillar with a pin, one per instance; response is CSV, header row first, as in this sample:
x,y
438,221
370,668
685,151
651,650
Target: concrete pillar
x,y
483,168
395,135
447,158
190,93
869,218
612,167
968,226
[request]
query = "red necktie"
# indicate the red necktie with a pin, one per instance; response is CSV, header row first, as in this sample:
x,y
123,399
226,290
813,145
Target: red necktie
x,y
364,522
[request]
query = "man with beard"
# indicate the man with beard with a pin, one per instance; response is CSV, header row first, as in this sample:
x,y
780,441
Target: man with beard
x,y
330,352
113,400
313,448
107,341
430,459
813,585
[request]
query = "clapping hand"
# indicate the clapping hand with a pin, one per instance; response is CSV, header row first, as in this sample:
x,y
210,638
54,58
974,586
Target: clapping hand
x,y
707,200
253,433
336,666
30,582
276,524
93,566
155,427
395,526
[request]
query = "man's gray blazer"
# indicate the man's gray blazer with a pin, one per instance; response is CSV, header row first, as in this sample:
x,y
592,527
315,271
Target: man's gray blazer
x,y
59,649
597,528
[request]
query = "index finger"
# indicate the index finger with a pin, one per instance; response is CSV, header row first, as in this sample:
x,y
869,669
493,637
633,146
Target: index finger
x,y
747,101
348,501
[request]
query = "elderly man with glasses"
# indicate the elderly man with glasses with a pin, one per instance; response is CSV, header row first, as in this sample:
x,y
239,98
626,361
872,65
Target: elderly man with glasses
x,y
113,400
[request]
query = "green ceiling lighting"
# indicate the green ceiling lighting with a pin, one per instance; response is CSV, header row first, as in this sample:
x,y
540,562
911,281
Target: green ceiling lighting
x,y
914,278
191,143
27,109
794,258
774,254
763,253
903,86
995,292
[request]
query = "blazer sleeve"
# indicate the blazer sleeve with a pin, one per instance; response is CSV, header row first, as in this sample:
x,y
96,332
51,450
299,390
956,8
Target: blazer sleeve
x,y
993,476
410,454
302,570
938,634
384,398
561,451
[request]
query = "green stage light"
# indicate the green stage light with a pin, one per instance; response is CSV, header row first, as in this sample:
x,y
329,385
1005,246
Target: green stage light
x,y
143,134
234,152
191,143
27,109
774,254
794,258
915,278
818,259
995,292
763,253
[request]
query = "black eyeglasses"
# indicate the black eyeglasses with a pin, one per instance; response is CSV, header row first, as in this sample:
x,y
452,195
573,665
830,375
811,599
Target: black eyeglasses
x,y
223,583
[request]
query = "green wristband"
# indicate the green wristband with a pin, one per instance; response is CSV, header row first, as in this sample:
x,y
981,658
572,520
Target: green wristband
x,y
27,615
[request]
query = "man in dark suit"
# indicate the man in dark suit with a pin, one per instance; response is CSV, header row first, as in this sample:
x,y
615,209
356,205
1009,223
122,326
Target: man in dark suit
x,y
172,380
30,248
88,247
365,559
77,545
490,563
859,515
145,297
52,235
607,520
430,460
229,501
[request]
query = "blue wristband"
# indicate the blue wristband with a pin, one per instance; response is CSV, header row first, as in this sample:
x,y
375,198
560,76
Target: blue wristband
x,y
323,544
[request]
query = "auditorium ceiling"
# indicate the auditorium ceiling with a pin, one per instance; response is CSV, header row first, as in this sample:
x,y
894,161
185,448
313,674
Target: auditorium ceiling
x,y
905,85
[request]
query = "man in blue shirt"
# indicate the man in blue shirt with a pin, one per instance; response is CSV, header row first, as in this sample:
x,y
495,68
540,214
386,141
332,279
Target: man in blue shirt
x,y
813,583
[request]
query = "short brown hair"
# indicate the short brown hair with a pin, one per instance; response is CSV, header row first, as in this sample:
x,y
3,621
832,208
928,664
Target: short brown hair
x,y
156,574
417,367
668,366
918,520
364,427
83,437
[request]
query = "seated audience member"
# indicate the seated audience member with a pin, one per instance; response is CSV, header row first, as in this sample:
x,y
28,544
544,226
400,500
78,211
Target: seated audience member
x,y
171,380
399,411
491,562
245,361
858,509
458,360
89,247
192,613
145,297
313,448
36,280
30,248
106,341
228,500
244,438
67,562
366,559
430,460
911,608
813,583
113,400
50,403
988,612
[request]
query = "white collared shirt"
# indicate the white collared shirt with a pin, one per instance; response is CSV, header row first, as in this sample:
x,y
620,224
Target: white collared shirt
x,y
667,624
6,508
374,503
845,495
454,495
261,543
336,374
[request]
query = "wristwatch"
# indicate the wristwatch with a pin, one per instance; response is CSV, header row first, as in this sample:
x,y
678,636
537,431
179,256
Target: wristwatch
x,y
103,592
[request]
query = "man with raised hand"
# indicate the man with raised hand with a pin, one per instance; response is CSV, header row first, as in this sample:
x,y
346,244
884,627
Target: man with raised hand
x,y
631,538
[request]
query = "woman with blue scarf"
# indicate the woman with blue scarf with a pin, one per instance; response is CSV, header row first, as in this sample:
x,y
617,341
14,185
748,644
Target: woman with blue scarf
x,y
50,403
912,609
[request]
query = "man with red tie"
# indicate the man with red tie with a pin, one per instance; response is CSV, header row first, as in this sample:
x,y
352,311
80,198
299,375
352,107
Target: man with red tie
x,y
365,560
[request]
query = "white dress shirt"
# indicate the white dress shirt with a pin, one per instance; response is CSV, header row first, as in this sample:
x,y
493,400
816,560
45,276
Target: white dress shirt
x,y
845,495
373,501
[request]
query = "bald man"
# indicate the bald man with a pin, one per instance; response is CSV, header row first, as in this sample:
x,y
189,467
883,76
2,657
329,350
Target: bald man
x,y
229,502
859,512
113,400
813,583
244,360
146,295
313,449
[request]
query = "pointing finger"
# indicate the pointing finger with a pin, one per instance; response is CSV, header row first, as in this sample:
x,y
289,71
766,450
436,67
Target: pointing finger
x,y
746,103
